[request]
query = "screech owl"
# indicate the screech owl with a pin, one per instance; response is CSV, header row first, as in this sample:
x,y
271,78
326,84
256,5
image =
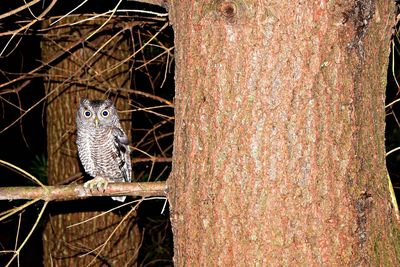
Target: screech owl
x,y
102,144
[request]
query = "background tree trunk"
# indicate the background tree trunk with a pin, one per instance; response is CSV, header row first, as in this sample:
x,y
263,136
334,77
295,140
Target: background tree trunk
x,y
83,71
279,155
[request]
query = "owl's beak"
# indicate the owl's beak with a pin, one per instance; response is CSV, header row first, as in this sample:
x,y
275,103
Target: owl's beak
x,y
96,122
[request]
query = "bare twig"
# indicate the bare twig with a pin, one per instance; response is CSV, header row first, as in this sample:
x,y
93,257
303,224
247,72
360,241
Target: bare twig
x,y
154,159
102,246
23,172
5,214
17,252
391,151
14,11
32,21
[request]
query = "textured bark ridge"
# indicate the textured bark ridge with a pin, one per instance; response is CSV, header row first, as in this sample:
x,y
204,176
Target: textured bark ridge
x,y
279,140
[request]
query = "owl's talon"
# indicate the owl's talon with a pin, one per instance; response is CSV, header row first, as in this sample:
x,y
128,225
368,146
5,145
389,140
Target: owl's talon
x,y
98,183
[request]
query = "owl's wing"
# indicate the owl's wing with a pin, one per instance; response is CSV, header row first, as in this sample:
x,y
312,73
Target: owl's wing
x,y
123,153
120,136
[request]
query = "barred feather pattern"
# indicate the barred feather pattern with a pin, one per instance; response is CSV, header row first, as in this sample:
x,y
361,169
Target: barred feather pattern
x,y
102,144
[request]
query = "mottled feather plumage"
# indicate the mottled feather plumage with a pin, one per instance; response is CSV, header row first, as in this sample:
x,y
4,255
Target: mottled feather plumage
x,y
102,144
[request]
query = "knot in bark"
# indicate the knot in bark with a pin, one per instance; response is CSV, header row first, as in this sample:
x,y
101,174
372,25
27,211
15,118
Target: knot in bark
x,y
228,9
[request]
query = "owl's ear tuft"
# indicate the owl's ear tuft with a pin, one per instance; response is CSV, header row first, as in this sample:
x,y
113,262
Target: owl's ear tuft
x,y
108,101
85,102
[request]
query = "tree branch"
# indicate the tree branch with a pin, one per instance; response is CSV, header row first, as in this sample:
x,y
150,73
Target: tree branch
x,y
77,191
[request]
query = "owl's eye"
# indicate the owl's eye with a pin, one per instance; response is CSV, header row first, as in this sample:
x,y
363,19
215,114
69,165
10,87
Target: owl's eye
x,y
87,113
105,113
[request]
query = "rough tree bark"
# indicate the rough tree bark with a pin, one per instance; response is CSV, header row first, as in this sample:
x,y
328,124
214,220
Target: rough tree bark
x,y
279,156
84,72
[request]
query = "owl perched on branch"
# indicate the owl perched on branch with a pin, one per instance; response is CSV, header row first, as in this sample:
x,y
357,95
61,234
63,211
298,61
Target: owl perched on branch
x,y
102,144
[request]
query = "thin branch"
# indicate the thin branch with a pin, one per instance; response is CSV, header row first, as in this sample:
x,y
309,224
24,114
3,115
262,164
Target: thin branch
x,y
102,246
392,103
47,10
17,252
23,172
154,159
393,150
68,13
5,214
137,201
105,23
74,191
14,11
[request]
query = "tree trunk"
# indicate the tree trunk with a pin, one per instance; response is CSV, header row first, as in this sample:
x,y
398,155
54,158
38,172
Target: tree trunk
x,y
279,156
82,71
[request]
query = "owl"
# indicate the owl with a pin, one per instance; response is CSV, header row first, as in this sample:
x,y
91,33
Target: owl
x,y
102,144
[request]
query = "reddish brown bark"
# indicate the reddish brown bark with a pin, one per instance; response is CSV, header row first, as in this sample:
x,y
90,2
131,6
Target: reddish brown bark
x,y
279,142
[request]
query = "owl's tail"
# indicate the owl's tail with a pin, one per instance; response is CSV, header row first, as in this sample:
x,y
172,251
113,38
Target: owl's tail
x,y
122,199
